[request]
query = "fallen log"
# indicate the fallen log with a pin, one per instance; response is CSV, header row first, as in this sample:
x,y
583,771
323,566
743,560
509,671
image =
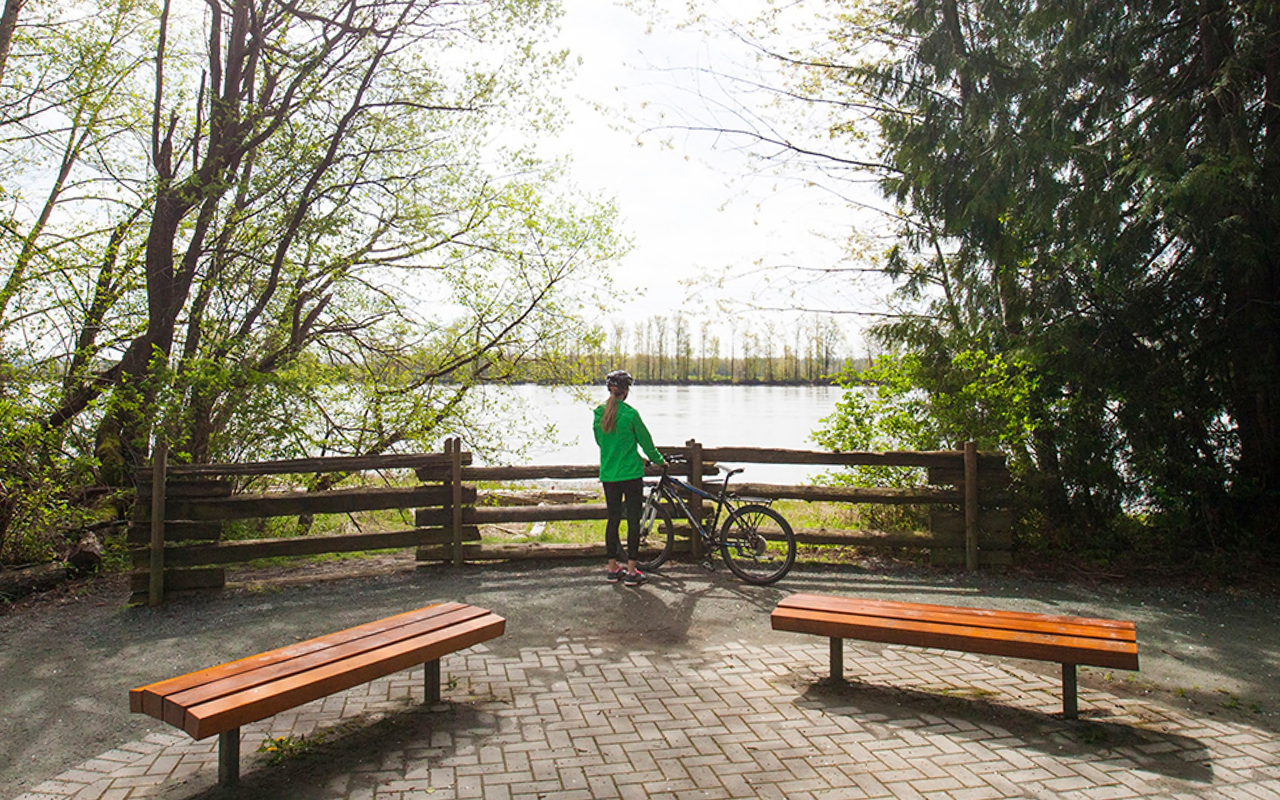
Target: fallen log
x,y
18,583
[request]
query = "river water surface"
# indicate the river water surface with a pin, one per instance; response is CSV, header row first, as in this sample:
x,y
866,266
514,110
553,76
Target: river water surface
x,y
716,416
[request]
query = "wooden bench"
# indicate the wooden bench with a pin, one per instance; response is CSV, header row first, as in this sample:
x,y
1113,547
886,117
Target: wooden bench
x,y
220,699
1067,640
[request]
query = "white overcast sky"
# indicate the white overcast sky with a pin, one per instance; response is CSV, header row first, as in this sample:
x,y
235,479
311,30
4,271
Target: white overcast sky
x,y
691,203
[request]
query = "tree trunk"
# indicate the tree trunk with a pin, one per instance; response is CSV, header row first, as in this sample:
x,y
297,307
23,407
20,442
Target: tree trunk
x,y
8,24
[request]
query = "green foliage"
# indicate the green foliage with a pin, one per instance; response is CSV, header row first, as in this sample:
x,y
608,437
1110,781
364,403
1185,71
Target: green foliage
x,y
35,504
279,749
1084,201
904,403
325,255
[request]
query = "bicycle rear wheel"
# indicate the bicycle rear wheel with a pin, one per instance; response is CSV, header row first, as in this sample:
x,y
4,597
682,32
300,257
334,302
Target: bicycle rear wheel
x,y
657,534
757,544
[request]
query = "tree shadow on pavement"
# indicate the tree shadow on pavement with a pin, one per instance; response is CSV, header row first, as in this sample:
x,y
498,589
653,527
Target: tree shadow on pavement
x,y
354,758
1115,743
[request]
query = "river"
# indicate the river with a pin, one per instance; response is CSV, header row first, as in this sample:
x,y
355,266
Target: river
x,y
716,416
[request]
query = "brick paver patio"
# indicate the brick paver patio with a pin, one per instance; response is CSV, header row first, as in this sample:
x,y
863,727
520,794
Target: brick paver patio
x,y
584,720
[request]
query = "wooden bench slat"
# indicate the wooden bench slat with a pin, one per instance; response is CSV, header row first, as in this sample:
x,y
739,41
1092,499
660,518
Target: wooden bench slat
x,y
989,641
278,664
974,617
219,700
149,699
1070,641
1081,626
250,705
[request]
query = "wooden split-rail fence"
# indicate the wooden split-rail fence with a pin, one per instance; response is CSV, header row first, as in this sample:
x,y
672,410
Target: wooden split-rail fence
x,y
177,537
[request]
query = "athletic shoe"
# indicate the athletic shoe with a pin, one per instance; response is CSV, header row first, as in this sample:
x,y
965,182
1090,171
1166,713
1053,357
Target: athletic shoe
x,y
614,575
635,578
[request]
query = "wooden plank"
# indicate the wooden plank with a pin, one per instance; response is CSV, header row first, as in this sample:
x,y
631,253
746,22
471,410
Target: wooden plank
x,y
990,478
306,466
238,552
140,698
444,552
434,536
492,515
818,536
971,507
267,668
848,494
518,551
178,531
954,556
964,615
1001,540
337,501
863,538
151,699
202,489
188,488
564,471
241,709
1014,644
1097,642
523,473
751,455
178,580
762,455
177,704
455,497
951,521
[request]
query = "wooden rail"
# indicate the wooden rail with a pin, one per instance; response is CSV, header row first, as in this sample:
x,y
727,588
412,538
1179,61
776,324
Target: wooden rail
x,y
177,536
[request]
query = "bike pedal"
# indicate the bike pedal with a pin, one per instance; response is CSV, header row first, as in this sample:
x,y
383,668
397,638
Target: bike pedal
x,y
708,566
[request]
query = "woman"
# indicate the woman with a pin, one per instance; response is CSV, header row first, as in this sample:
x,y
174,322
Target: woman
x,y
619,430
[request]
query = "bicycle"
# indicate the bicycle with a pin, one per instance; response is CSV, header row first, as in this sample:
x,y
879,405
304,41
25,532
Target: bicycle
x,y
755,541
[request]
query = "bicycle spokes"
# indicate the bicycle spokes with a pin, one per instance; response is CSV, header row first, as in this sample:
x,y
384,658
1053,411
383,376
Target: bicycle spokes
x,y
757,544
657,535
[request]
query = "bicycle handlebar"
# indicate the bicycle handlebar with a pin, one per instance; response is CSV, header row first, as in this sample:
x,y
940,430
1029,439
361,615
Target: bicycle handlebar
x,y
678,458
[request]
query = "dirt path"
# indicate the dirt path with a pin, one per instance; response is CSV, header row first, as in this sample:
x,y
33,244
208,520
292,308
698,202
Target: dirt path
x,y
68,658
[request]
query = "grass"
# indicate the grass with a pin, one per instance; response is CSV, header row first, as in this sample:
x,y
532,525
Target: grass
x,y
281,748
553,532
321,525
802,514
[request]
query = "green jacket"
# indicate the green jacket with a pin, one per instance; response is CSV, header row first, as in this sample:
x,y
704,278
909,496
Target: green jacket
x,y
619,460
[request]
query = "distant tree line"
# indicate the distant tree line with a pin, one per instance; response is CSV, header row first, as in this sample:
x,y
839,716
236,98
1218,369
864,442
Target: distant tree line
x,y
679,348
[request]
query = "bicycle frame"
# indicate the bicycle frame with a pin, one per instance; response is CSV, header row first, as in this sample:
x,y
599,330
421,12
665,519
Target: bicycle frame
x,y
755,541
668,487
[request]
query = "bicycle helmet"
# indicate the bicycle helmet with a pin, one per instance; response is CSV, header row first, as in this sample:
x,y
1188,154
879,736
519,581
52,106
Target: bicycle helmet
x,y
619,378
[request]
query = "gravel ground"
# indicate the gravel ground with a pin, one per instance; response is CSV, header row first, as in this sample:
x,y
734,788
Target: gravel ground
x,y
69,657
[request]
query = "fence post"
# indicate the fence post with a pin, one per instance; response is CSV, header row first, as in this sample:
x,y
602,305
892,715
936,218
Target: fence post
x,y
159,468
453,448
695,480
971,505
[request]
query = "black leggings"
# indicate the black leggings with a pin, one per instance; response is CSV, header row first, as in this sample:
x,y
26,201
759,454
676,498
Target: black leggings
x,y
620,496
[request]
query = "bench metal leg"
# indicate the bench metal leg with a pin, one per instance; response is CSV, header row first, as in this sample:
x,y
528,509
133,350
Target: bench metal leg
x,y
1069,705
837,659
431,681
229,757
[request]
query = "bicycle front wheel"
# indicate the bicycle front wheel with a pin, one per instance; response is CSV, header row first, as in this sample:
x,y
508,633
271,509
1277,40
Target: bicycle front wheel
x,y
757,544
657,534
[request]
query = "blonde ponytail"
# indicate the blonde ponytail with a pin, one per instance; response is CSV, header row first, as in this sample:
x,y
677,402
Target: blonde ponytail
x,y
609,420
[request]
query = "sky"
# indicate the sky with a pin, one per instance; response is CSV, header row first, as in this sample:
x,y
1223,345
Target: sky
x,y
695,205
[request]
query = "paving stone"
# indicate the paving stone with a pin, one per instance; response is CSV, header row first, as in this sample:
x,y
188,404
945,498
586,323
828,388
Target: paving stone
x,y
571,722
